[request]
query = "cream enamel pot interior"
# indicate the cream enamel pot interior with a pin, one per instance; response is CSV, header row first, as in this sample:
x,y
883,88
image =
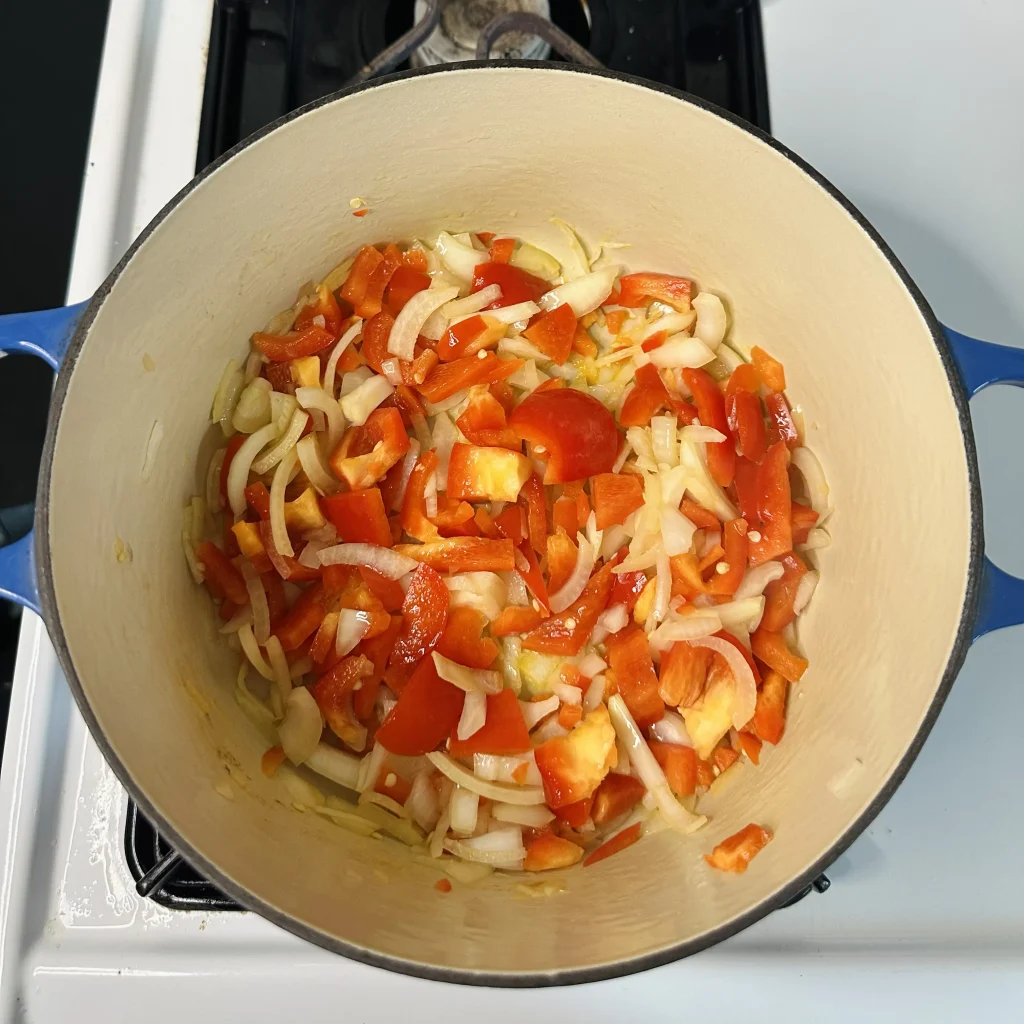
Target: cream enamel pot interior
x,y
505,147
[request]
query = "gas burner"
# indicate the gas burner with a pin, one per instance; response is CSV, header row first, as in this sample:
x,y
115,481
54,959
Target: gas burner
x,y
462,21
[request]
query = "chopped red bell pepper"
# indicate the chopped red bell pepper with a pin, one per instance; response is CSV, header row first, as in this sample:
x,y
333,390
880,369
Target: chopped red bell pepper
x,y
769,721
750,745
536,513
803,520
553,332
724,757
547,852
568,631
463,554
743,411
477,473
711,407
447,379
744,378
780,594
563,514
683,673
469,336
615,796
575,815
647,398
221,577
501,250
281,348
377,650
414,506
404,284
532,577
376,332
427,710
463,641
416,259
686,578
772,649
562,554
735,853
359,516
388,591
782,426
333,694
629,657
774,506
303,618
616,496
771,371
516,285
679,764
576,430
618,842
358,459
627,588
511,523
424,616
276,604
323,639
326,305
747,492
642,289
367,260
701,517
390,783
504,730
373,298
734,540
257,497
515,620
583,343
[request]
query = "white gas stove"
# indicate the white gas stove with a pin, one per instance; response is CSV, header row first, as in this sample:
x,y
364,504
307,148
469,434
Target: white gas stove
x,y
912,109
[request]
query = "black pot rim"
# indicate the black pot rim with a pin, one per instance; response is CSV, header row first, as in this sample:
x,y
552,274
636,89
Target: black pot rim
x,y
570,976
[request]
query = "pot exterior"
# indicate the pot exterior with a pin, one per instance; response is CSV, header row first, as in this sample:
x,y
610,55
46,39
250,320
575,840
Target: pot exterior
x,y
505,148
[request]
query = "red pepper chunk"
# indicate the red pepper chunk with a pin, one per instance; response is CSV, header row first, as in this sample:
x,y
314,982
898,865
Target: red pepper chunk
x,y
477,473
427,710
575,815
629,656
303,618
773,506
404,284
711,407
359,516
447,379
333,695
376,332
771,371
679,765
536,513
501,250
326,305
647,398
735,853
616,496
734,540
780,594
515,620
548,852
567,632
516,285
576,430
358,460
463,641
469,336
782,426
616,795
533,578
618,842
485,422
414,505
803,520
743,411
641,289
772,649
462,554
367,260
627,588
553,332
424,616
221,577
770,711
504,730
280,348
388,591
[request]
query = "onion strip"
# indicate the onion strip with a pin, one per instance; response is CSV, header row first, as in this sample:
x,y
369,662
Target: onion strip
x,y
472,680
406,329
746,689
252,651
278,528
317,398
336,353
313,465
257,602
498,791
241,464
285,444
577,582
385,561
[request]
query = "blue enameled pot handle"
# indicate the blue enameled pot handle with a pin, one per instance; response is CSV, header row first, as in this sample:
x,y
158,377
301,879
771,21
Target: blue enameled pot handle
x,y
981,364
45,334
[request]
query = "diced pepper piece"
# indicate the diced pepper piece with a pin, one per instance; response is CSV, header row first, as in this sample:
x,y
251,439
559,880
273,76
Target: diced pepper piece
x,y
769,721
562,555
734,537
746,481
710,718
485,422
735,853
501,250
750,745
647,398
486,474
359,516
553,332
504,730
773,506
404,284
642,289
684,670
573,766
462,554
686,578
575,815
469,336
616,496
536,513
333,695
701,517
618,842
770,370
373,298
532,577
615,796
515,620
303,618
516,285
743,411
251,545
323,640
283,348
463,640
447,379
724,757
583,343
427,710
390,783
780,594
424,617
711,407
304,513
548,852
570,715
257,497
326,305
271,760
366,453
414,504
679,764
376,332
276,604
772,649
367,260
744,378
782,426
563,514
629,656
576,431
627,588
803,520
221,577
567,632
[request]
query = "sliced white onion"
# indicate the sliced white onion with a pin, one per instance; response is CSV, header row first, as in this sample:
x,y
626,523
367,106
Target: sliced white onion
x,y
358,404
663,440
549,729
496,768
486,584
711,321
444,436
536,261
392,370
565,692
531,817
521,795
474,714
313,465
594,694
514,314
535,711
253,408
301,727
337,765
242,617
520,349
279,666
649,770
497,840
252,651
285,444
353,379
618,355
422,804
257,602
671,323
756,579
746,688
700,484
408,465
511,648
278,528
471,303
282,408
745,612
383,560
685,627
406,329
671,728
579,263
814,476
352,627
805,591
472,680
369,768
494,858
317,398
708,435
461,259
662,590
591,664
435,845
681,350
611,620
228,389
297,669
336,353
577,582
310,554
816,539
676,531
518,594
238,474
463,809
584,294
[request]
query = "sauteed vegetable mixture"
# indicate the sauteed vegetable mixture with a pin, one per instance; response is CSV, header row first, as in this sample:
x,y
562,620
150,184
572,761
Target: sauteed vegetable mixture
x,y
512,550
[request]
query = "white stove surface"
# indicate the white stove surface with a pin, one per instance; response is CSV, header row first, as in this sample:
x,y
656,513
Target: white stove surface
x,y
909,108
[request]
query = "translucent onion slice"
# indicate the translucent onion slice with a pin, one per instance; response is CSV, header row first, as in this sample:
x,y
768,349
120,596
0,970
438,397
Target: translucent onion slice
x,y
497,791
711,320
253,408
676,531
408,465
474,714
314,466
472,680
805,591
591,664
520,349
331,369
369,768
756,579
241,464
287,441
385,561
471,303
499,839
513,314
317,398
566,693
745,612
359,403
279,665
816,539
536,261
406,329
435,846
685,627
649,770
531,817
814,476
463,810
584,294
746,688
278,528
671,728
681,350
707,435
494,858
594,694
257,602
535,711
422,804
670,323
444,436
576,583
232,382
461,259
662,590
301,726
700,484
252,651
353,625
241,618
